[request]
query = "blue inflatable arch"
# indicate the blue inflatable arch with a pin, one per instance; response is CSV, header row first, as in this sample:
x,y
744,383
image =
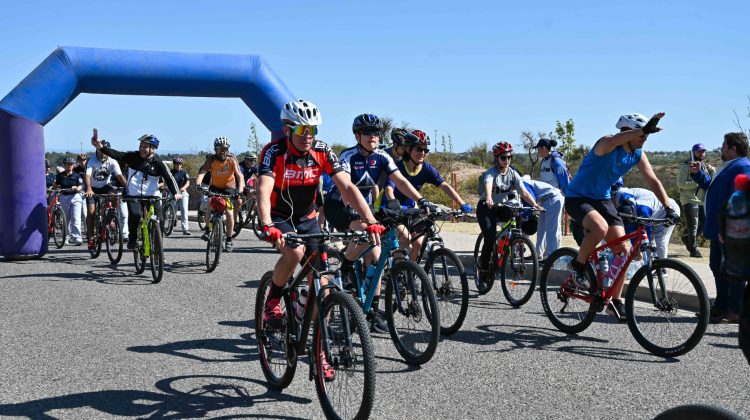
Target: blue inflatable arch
x,y
69,71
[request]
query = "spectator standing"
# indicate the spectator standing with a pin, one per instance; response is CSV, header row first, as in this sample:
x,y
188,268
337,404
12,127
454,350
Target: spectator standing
x,y
718,189
549,232
183,182
692,198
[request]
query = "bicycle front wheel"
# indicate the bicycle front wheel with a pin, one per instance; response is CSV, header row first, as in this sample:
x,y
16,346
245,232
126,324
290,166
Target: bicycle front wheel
x,y
451,288
95,237
59,227
240,219
519,271
156,255
170,218
412,313
113,238
139,254
569,308
667,327
255,224
278,360
213,247
201,219
344,359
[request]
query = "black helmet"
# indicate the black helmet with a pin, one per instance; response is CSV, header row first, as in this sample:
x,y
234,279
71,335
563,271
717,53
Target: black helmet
x,y
417,138
367,123
398,135
69,160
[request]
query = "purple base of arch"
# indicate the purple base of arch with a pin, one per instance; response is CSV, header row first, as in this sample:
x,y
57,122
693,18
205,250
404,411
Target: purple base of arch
x,y
23,201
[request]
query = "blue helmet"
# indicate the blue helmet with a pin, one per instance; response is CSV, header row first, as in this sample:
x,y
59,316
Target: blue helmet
x,y
366,123
617,185
150,139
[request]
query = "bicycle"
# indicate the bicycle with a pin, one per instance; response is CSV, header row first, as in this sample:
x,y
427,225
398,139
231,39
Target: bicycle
x,y
248,215
669,302
169,213
411,309
56,221
445,269
217,203
514,259
341,335
106,228
149,243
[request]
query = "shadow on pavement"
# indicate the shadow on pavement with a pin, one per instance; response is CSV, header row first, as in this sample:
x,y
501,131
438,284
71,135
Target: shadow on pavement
x,y
180,397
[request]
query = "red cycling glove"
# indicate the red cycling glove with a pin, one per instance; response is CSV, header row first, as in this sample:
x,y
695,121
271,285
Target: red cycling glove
x,y
271,233
376,228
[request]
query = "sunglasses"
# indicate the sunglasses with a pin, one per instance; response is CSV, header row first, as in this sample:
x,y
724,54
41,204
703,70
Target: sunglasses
x,y
372,133
506,157
422,150
301,129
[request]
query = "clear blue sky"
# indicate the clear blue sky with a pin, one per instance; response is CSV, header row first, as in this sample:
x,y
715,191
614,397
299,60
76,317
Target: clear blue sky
x,y
480,70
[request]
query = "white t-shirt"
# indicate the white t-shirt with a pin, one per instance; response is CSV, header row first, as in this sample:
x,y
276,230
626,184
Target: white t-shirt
x,y
101,172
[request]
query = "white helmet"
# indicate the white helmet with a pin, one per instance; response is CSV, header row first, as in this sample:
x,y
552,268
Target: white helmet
x,y
221,142
632,121
300,112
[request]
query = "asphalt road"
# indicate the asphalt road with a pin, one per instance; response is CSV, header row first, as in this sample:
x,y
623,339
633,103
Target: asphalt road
x,y
81,339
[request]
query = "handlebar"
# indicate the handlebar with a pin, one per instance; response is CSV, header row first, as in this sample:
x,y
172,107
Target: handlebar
x,y
215,194
645,221
518,209
325,235
150,199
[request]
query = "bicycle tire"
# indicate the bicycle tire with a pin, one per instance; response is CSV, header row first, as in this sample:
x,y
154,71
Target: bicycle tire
x,y
555,287
201,219
351,393
255,224
138,256
412,309
239,221
698,412
276,354
483,287
156,255
170,218
95,236
59,225
113,237
519,287
214,244
685,296
451,288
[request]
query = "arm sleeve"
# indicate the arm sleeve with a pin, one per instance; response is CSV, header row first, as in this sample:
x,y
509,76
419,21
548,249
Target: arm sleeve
x,y
684,180
113,153
561,170
702,179
168,178
116,168
435,178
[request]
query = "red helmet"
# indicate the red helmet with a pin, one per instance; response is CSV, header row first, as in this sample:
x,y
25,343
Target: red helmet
x,y
502,147
421,139
218,204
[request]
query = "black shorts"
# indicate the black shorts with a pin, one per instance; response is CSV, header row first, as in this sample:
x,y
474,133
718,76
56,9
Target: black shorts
x,y
225,191
107,189
579,207
300,226
339,215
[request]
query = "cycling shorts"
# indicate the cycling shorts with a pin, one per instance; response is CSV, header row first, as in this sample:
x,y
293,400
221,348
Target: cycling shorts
x,y
339,215
579,207
301,226
107,189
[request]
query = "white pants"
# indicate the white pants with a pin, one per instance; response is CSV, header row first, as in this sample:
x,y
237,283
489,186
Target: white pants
x,y
124,218
662,234
549,232
182,205
71,205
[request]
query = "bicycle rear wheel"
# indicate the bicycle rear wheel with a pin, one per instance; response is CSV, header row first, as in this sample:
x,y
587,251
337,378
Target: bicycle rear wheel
x,y
170,218
278,359
201,219
350,392
59,227
95,236
451,288
519,271
483,285
564,304
214,244
412,313
255,224
240,219
668,327
138,254
113,238
156,255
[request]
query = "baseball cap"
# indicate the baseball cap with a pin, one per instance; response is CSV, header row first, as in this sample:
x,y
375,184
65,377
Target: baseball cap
x,y
543,142
699,147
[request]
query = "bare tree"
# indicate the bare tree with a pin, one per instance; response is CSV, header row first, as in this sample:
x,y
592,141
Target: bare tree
x,y
737,117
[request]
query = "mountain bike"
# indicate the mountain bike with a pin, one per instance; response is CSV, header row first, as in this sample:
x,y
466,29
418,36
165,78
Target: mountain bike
x,y
513,259
661,302
411,309
106,228
149,243
217,203
444,269
56,221
169,213
341,336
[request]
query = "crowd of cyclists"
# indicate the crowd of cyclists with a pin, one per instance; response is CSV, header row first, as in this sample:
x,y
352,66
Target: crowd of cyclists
x,y
303,187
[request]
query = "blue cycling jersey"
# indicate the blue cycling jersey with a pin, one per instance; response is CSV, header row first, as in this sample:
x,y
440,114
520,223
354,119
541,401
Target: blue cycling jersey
x,y
249,172
597,173
426,174
364,170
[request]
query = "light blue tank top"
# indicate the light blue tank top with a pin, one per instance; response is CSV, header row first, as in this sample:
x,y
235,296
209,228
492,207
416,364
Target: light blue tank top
x,y
597,173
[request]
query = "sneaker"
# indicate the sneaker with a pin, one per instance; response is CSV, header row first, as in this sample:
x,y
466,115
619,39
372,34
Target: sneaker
x,y
78,242
617,308
186,232
579,279
696,254
481,279
272,313
205,235
71,241
378,324
228,247
329,373
730,318
131,243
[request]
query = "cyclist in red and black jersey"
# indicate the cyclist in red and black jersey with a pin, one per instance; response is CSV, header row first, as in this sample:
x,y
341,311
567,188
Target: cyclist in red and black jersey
x,y
290,170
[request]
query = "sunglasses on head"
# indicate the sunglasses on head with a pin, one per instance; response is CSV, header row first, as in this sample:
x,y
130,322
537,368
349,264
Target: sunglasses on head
x,y
301,129
507,157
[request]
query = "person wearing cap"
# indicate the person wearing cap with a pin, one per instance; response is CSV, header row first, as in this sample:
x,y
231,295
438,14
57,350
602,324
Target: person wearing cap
x,y
100,170
50,175
183,182
719,188
692,198
70,199
553,169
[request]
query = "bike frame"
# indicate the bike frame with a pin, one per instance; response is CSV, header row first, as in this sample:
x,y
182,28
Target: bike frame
x,y
51,208
143,226
101,212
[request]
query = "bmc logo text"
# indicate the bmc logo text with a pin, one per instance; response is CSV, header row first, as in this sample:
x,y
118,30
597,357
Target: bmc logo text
x,y
300,174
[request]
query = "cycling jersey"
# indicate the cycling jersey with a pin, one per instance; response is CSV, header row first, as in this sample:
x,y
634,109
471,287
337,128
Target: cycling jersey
x,y
296,176
101,172
143,174
424,175
51,179
222,172
597,173
364,170
249,172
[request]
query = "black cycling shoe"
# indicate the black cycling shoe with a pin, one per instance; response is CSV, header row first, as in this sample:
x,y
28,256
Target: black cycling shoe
x,y
378,323
131,243
205,235
617,308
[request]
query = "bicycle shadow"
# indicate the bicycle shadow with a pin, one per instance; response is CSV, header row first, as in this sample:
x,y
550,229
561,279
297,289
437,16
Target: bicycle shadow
x,y
522,336
250,284
177,397
186,267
